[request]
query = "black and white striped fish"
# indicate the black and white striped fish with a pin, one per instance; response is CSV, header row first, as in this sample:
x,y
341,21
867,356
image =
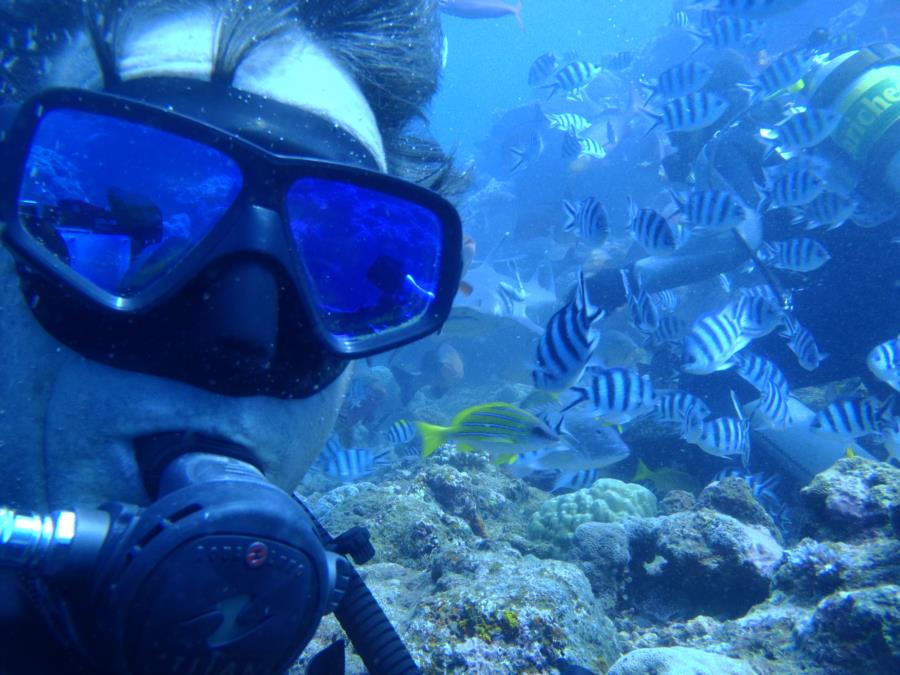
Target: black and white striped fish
x,y
588,218
732,31
759,371
543,67
567,344
800,254
884,362
850,418
756,316
590,147
568,122
690,113
616,395
402,431
677,406
782,73
648,228
685,78
795,188
671,329
573,78
804,129
711,210
714,339
723,436
567,481
773,410
665,300
761,291
829,210
679,19
619,61
347,465
644,312
803,344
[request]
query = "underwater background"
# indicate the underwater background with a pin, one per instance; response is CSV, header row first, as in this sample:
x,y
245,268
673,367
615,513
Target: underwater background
x,y
658,432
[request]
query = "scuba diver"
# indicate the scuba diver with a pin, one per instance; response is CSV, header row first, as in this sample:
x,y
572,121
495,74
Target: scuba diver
x,y
210,210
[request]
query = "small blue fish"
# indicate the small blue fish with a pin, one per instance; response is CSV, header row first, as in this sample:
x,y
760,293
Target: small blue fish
x,y
800,254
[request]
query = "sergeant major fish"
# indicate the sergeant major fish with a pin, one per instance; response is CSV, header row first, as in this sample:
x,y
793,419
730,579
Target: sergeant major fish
x,y
803,344
616,395
566,346
714,339
690,113
800,254
884,362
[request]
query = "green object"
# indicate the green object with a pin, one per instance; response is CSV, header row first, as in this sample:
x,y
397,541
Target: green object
x,y
606,501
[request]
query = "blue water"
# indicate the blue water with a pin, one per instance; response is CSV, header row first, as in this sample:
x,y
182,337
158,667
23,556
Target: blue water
x,y
488,60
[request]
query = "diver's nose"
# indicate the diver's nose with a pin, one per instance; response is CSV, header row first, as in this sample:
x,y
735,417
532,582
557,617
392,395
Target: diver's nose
x,y
239,306
238,312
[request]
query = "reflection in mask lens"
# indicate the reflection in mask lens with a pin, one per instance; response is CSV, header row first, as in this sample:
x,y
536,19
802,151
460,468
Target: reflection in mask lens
x,y
121,203
372,260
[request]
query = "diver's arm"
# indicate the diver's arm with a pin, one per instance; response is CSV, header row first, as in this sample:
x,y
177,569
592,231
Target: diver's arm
x,y
700,258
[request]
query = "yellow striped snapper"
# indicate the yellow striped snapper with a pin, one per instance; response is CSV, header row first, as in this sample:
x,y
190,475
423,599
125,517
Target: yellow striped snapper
x,y
501,429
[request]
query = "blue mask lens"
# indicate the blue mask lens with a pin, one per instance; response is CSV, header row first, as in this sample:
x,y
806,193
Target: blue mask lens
x,y
121,203
372,260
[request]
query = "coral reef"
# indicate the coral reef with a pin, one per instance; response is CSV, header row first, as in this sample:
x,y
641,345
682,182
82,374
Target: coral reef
x,y
856,631
481,573
700,562
853,496
607,500
678,661
601,550
732,496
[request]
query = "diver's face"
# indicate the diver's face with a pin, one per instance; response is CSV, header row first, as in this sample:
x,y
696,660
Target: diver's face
x,y
69,423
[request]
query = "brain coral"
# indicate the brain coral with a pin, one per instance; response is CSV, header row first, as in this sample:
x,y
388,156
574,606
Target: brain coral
x,y
606,501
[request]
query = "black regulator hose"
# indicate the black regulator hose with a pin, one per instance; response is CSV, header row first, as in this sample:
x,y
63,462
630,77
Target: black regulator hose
x,y
362,618
371,633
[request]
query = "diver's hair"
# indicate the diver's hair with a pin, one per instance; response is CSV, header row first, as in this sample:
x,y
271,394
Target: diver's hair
x,y
390,47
